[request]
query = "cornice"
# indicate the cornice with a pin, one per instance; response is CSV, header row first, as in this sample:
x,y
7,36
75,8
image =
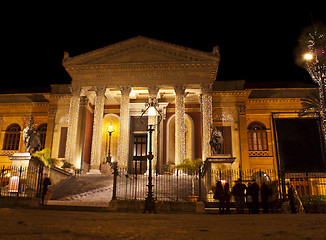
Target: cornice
x,y
97,68
27,104
274,100
231,93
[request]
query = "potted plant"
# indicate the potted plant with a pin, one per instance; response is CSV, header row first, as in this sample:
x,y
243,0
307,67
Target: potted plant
x,y
45,157
167,167
68,167
192,166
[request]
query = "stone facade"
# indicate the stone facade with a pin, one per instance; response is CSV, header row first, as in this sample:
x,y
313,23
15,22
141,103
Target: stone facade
x,y
111,85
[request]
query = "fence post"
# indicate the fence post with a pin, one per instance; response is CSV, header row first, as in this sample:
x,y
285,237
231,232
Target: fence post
x,y
39,181
282,175
115,174
20,175
2,173
199,186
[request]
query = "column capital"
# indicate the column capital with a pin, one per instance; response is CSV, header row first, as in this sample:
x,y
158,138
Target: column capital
x,y
125,89
100,90
206,88
152,91
75,91
242,109
179,89
52,112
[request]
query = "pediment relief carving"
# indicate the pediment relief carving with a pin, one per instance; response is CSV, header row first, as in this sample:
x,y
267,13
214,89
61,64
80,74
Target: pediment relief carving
x,y
222,117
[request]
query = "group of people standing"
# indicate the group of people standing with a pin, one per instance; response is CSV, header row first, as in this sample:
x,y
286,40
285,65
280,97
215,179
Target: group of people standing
x,y
243,195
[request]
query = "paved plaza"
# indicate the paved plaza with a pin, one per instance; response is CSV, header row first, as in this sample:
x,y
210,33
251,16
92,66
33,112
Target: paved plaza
x,y
52,224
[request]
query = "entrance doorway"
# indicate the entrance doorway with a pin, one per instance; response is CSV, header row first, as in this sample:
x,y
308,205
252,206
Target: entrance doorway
x,y
139,159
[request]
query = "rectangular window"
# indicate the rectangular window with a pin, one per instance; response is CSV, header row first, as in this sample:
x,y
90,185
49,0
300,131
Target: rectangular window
x,y
62,143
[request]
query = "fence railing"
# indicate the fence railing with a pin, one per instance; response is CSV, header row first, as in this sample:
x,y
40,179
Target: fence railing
x,y
21,181
177,186
184,185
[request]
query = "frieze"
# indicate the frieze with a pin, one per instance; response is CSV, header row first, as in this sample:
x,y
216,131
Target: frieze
x,y
143,75
142,67
273,100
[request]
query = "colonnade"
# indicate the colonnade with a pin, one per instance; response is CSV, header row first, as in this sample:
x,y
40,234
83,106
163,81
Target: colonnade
x,y
124,131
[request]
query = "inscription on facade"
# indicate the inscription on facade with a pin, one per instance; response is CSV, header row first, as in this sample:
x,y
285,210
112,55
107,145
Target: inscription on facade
x,y
148,75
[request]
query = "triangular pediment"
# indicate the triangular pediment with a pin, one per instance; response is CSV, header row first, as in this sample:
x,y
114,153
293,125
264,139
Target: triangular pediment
x,y
141,50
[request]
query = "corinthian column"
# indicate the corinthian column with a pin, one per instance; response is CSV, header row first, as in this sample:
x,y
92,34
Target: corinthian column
x,y
206,106
72,126
97,129
180,135
153,91
123,148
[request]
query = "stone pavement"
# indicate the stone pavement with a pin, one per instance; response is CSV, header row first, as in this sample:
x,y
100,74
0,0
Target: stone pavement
x,y
45,224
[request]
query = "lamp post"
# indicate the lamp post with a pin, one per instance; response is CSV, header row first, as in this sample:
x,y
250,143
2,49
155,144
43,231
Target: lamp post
x,y
151,108
110,130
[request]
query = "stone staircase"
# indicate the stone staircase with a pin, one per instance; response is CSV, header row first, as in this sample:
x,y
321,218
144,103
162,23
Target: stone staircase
x,y
86,188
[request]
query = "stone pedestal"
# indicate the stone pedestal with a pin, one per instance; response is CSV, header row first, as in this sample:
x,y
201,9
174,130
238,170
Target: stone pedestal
x,y
20,159
106,169
216,164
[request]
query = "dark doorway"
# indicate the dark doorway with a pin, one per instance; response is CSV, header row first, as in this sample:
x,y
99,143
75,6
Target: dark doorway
x,y
300,145
139,153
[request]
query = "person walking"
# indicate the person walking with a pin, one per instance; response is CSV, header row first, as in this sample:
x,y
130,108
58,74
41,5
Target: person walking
x,y
249,198
227,194
265,192
238,191
219,194
255,197
46,183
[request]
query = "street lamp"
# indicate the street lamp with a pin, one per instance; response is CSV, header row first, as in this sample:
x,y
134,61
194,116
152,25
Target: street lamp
x,y
110,130
151,108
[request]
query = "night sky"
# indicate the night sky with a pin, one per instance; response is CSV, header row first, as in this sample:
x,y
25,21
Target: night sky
x,y
257,42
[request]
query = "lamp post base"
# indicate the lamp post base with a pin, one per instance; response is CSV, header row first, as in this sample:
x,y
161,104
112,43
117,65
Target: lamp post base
x,y
149,205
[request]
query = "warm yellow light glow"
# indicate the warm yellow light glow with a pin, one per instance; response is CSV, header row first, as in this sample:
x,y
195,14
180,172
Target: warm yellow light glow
x,y
152,111
110,129
308,56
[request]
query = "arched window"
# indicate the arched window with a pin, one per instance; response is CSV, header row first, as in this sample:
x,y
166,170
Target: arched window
x,y
257,137
12,137
41,129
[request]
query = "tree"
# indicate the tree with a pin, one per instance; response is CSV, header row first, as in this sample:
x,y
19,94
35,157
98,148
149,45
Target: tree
x,y
310,105
312,55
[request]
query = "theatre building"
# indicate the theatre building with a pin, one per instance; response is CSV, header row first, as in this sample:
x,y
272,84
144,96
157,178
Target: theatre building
x,y
109,89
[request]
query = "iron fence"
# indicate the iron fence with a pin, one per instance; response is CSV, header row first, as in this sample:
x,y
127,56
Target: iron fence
x,y
177,186
185,185
21,181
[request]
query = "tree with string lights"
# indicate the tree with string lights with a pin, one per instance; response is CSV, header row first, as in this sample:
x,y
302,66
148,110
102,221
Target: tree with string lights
x,y
312,55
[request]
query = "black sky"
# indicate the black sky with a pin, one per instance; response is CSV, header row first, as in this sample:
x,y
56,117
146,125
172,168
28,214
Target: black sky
x,y
257,42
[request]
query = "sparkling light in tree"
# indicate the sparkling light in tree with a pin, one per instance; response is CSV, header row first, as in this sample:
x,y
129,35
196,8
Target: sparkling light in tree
x,y
312,48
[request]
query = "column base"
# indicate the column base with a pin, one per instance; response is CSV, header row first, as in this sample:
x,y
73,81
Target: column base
x,y
94,171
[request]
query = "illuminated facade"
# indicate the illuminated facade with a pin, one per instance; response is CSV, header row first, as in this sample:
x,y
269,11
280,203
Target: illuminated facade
x,y
110,86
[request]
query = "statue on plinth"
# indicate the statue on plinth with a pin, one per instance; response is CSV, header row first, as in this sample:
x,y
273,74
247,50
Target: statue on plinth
x,y
216,141
31,137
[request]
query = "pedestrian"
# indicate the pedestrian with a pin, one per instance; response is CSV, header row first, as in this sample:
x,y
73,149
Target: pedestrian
x,y
238,191
249,198
255,197
46,183
295,202
227,194
264,193
274,197
219,194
